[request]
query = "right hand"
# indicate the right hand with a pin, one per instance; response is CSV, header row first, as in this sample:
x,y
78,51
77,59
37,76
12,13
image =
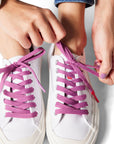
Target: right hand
x,y
28,24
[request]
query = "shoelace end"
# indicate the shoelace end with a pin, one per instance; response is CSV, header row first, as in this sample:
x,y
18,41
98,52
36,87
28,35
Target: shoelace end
x,y
93,93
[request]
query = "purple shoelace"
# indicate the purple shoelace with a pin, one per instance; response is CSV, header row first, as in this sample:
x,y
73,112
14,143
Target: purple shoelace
x,y
20,98
71,102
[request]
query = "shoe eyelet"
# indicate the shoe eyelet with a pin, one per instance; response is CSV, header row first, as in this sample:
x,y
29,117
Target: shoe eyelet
x,y
56,70
4,100
57,79
57,62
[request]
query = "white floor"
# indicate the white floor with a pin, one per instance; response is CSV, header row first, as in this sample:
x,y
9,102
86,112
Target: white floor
x,y
105,93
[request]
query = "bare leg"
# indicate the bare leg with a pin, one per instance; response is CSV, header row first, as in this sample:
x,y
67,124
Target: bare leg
x,y
9,47
72,17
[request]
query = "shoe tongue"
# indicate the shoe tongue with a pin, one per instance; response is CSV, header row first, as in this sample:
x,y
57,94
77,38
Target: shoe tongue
x,y
78,58
15,59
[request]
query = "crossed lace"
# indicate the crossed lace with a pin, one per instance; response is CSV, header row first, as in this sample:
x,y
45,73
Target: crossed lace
x,y
20,98
71,102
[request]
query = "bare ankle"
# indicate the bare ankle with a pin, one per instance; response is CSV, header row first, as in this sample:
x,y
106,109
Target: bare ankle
x,y
76,47
56,51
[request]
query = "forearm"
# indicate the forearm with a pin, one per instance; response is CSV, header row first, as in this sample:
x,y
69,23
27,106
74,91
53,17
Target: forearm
x,y
106,2
104,14
103,39
105,7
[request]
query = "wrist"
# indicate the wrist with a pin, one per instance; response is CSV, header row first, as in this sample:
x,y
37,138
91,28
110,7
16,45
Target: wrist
x,y
104,13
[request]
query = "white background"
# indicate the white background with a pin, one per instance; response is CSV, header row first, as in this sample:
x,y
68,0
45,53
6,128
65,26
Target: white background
x,y
105,93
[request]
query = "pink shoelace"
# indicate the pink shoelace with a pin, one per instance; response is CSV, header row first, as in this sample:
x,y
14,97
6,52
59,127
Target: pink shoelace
x,y
20,99
75,104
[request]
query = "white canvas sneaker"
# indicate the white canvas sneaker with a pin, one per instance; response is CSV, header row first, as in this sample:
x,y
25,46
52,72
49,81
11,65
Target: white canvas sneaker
x,y
72,111
22,115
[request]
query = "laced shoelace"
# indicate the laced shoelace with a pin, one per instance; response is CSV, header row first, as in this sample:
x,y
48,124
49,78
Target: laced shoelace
x,y
75,104
20,99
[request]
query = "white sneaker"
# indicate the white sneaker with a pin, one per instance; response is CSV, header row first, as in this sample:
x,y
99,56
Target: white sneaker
x,y
72,111
22,115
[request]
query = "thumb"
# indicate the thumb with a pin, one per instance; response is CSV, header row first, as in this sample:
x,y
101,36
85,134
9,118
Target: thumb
x,y
106,65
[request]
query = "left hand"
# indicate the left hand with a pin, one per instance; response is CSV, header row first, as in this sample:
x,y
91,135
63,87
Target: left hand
x,y
103,41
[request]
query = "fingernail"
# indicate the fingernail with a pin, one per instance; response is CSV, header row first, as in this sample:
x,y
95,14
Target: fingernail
x,y
103,76
95,62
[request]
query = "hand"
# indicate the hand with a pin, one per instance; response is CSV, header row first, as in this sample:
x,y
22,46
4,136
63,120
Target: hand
x,y
29,24
103,41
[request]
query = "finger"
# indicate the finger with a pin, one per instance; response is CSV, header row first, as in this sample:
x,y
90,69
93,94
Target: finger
x,y
106,65
24,41
35,36
97,65
46,30
57,28
110,79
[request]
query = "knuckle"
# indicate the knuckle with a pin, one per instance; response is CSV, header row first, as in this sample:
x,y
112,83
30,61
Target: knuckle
x,y
34,8
28,23
39,19
30,26
36,11
50,39
48,12
36,16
